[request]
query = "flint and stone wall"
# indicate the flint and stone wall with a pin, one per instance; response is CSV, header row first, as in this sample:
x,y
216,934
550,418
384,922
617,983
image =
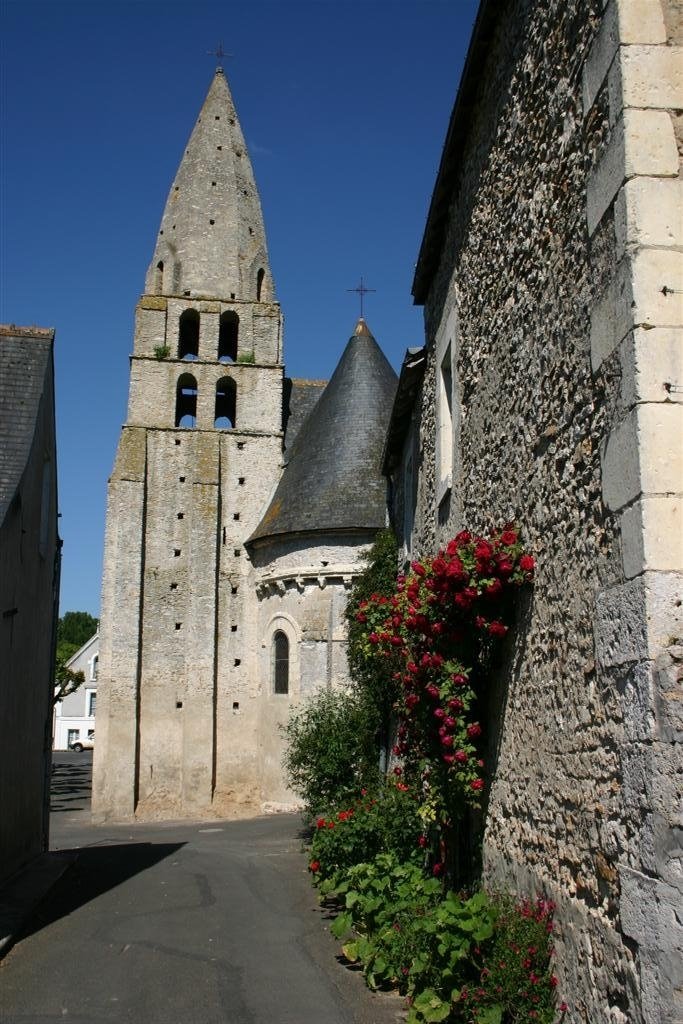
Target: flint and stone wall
x,y
558,289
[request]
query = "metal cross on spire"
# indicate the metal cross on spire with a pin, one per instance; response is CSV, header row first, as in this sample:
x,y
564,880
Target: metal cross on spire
x,y
362,290
220,53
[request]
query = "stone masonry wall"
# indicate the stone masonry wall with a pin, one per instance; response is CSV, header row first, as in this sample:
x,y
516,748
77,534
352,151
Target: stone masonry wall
x,y
302,586
550,293
28,578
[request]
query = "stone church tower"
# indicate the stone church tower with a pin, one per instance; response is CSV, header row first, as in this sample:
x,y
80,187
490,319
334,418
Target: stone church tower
x,y
195,677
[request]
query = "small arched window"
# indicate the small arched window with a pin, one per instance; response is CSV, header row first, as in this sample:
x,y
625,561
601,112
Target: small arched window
x,y
280,662
188,335
227,337
226,404
159,278
259,283
186,401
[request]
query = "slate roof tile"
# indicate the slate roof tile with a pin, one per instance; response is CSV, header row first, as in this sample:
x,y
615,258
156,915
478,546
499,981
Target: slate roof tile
x,y
25,359
333,479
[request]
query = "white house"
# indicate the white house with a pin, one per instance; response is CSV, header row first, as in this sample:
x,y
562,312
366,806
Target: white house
x,y
75,715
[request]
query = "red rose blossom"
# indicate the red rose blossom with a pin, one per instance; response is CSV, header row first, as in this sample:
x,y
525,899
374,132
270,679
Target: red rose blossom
x,y
314,866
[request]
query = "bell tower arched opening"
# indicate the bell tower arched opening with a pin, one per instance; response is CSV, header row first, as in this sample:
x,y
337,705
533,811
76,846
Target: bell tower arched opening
x,y
188,335
226,404
186,401
228,333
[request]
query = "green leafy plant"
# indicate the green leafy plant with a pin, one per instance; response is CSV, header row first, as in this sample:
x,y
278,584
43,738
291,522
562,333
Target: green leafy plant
x,y
161,352
246,358
475,958
479,959
384,820
376,676
330,752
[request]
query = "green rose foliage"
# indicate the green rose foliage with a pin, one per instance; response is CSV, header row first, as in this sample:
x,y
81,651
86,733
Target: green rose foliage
x,y
331,751
376,584
382,820
435,635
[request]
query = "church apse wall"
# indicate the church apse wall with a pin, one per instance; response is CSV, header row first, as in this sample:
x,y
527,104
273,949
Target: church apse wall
x,y
551,344
302,587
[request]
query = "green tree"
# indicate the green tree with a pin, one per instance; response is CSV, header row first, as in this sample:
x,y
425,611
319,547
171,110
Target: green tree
x,y
374,674
73,630
76,628
66,681
330,749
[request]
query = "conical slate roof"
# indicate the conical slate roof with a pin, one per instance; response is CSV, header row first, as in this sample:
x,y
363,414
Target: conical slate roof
x,y
212,241
333,478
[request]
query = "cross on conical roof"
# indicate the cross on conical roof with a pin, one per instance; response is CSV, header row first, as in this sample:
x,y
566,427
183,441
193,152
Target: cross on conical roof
x,y
333,479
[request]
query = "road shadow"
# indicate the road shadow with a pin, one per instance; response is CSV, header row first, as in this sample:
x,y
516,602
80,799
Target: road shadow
x,y
70,785
94,871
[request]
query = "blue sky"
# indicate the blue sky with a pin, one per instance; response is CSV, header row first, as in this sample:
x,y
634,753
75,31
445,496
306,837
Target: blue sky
x,y
344,105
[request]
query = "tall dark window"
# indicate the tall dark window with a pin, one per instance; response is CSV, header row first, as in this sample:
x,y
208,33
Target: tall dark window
x,y
188,335
259,283
186,401
227,337
159,278
280,663
226,404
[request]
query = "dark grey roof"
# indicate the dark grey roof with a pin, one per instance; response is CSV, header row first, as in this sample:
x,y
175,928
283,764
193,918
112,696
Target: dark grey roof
x,y
298,400
412,372
25,360
333,478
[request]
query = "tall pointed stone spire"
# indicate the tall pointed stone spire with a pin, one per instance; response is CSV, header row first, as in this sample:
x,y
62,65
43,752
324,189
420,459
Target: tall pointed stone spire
x,y
212,242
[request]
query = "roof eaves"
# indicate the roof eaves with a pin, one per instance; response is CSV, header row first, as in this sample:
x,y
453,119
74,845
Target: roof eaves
x,y
412,372
437,217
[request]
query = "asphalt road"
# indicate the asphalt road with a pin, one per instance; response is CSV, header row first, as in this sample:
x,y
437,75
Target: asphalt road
x,y
201,923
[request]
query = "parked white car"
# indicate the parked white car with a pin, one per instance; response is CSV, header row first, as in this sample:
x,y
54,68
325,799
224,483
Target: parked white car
x,y
86,744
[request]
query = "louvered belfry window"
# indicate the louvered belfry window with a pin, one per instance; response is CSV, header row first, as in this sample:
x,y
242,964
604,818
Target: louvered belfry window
x,y
280,662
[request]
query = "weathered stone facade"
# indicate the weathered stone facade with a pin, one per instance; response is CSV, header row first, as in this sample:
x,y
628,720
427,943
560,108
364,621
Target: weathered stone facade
x,y
189,713
551,278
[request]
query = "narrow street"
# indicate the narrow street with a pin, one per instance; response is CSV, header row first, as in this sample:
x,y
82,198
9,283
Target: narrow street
x,y
179,924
